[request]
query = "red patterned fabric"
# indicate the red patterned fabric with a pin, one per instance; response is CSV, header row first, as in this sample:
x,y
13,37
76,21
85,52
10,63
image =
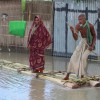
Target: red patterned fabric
x,y
38,42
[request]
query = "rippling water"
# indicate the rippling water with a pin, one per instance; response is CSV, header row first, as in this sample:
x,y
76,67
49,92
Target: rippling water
x,y
15,86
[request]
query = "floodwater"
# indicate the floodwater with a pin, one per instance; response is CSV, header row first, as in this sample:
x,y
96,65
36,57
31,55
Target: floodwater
x,y
15,86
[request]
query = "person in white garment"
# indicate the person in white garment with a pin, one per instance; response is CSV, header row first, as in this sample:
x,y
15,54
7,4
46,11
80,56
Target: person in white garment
x,y
78,61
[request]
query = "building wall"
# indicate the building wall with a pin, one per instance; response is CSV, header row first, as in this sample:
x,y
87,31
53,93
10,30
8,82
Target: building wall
x,y
12,9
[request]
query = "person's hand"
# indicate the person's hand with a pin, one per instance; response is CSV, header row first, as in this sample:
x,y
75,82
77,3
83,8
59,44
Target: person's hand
x,y
72,28
91,48
28,46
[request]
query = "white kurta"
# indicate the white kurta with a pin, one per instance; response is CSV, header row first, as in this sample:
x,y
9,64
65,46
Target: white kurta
x,y
78,61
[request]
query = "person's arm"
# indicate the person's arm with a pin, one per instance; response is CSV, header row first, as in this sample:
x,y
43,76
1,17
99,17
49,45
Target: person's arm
x,y
94,37
75,32
29,35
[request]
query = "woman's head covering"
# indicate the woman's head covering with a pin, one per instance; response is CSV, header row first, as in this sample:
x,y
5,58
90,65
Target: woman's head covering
x,y
39,18
40,22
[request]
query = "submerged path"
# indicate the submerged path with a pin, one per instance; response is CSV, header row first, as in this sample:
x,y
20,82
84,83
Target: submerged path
x,y
56,76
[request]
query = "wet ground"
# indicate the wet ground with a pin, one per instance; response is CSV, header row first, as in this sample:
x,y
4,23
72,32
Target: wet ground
x,y
15,86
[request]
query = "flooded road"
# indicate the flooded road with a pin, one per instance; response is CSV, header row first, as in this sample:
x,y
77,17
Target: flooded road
x,y
15,86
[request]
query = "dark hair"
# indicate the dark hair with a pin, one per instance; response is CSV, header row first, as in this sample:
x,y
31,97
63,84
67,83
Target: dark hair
x,y
36,17
4,14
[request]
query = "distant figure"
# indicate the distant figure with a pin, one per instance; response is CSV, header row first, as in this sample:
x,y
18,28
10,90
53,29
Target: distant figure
x,y
78,61
4,18
38,40
4,26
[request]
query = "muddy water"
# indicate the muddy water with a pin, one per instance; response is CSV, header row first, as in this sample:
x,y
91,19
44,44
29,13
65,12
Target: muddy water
x,y
14,86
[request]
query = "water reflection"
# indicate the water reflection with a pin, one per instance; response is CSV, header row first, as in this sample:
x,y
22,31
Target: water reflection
x,y
45,90
36,90
48,90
